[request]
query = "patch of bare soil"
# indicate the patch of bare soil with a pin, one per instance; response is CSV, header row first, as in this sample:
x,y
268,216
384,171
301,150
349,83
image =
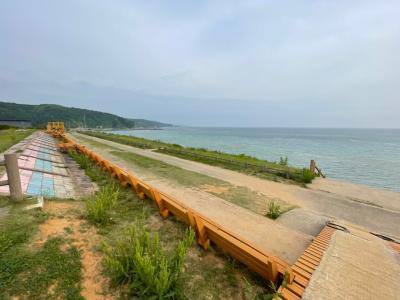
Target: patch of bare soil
x,y
155,223
59,207
66,223
214,189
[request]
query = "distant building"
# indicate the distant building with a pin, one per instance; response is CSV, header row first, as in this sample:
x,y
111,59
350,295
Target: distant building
x,y
16,123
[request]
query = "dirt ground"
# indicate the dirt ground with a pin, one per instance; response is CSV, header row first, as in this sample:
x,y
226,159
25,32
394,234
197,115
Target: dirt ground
x,y
66,222
374,209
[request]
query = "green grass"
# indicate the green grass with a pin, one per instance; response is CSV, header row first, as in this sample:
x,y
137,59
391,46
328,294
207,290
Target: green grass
x,y
238,195
52,271
165,170
9,137
97,144
278,171
99,206
205,274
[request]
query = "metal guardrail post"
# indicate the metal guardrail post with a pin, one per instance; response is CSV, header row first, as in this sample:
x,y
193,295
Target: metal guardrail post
x,y
14,180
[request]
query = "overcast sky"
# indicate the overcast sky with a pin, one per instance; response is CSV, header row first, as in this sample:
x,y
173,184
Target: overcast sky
x,y
210,63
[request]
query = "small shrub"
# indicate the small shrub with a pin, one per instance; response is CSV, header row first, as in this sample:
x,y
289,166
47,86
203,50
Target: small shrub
x,y
307,176
98,208
82,160
283,161
303,176
274,210
138,260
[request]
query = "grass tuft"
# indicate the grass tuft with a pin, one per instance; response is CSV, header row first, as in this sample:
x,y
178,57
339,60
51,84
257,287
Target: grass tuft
x,y
99,206
137,259
274,210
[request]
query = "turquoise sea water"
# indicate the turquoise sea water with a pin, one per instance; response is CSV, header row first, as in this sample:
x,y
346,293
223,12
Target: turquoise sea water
x,y
367,156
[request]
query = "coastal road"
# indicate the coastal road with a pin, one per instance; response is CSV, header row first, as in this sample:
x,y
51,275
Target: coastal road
x,y
375,210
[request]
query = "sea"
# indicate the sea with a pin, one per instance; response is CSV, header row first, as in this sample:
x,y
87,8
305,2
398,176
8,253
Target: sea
x,y
365,156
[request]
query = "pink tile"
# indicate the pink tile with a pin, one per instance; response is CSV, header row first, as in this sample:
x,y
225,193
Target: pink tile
x,y
25,172
24,186
30,164
4,189
25,178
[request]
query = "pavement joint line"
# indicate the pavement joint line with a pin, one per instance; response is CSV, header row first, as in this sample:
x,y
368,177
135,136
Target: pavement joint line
x,y
43,171
39,145
49,160
43,142
44,152
45,147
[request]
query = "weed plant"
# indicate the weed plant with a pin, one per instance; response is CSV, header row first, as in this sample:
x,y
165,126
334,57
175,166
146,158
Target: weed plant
x,y
99,206
137,259
274,210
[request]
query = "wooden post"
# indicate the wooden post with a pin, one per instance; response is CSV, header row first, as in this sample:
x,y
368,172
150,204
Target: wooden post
x,y
273,272
312,166
14,181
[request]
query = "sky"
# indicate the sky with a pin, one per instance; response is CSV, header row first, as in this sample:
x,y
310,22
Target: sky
x,y
208,63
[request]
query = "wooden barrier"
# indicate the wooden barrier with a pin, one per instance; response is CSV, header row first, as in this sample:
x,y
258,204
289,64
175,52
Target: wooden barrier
x,y
265,264
56,129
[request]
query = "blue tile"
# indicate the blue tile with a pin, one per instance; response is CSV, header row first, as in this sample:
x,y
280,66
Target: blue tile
x,y
34,190
47,166
48,192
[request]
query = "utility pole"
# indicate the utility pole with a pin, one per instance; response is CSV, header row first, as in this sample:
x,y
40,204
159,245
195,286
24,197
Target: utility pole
x,y
84,120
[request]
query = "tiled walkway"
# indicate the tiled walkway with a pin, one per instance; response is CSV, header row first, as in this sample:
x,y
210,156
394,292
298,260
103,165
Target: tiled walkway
x,y
42,170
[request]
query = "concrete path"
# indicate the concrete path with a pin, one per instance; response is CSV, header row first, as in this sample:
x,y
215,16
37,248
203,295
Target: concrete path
x,y
268,235
375,210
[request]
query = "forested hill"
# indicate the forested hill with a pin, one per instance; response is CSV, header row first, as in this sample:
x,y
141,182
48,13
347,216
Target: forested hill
x,y
72,117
